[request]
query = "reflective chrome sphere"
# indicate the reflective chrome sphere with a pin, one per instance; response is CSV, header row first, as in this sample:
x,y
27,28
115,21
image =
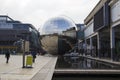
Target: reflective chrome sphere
x,y
57,25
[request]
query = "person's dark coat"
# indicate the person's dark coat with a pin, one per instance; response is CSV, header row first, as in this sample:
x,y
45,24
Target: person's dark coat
x,y
7,55
33,53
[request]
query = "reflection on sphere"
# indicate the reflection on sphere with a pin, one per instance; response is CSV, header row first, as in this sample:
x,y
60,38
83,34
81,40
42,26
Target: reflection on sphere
x,y
57,25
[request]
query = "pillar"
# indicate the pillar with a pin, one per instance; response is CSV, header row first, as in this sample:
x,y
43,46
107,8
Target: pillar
x,y
112,41
99,46
91,46
85,51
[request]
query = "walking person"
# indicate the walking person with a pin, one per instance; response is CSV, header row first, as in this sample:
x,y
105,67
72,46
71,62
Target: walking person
x,y
33,53
7,55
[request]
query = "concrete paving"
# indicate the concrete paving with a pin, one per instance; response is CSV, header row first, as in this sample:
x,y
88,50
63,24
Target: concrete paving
x,y
43,68
46,72
85,71
14,71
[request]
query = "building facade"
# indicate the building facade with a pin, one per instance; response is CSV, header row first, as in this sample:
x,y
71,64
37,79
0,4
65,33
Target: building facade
x,y
12,32
102,30
115,29
80,37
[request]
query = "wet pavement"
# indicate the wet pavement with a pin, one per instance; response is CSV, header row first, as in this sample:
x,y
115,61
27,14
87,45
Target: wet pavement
x,y
14,71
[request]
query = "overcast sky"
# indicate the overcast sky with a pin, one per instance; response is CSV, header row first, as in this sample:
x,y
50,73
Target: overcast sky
x,y
37,12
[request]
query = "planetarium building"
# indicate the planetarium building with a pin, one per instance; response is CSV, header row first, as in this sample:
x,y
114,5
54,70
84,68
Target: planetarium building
x,y
58,30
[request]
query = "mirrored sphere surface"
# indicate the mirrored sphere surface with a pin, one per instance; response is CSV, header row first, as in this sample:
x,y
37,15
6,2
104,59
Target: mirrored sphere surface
x,y
57,25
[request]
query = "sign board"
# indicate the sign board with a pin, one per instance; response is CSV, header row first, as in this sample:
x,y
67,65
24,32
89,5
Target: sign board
x,y
26,46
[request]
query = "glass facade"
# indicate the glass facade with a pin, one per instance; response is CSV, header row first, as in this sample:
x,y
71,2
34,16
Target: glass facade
x,y
34,39
11,33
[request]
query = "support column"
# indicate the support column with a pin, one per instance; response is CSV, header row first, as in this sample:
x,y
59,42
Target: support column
x,y
99,46
91,46
85,51
112,41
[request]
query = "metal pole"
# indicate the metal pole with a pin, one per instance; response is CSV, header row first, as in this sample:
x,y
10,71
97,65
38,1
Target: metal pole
x,y
24,49
23,54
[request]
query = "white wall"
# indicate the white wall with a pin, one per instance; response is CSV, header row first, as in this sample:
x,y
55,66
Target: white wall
x,y
89,29
115,11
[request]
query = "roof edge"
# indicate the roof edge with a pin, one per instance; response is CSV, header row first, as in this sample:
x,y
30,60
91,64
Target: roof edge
x,y
94,11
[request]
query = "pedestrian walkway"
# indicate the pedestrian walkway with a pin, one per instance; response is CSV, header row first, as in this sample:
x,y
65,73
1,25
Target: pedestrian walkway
x,y
46,72
13,70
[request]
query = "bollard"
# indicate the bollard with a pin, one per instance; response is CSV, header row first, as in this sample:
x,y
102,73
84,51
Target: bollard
x,y
29,61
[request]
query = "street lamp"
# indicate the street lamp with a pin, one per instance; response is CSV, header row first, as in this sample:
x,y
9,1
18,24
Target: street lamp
x,y
23,54
23,40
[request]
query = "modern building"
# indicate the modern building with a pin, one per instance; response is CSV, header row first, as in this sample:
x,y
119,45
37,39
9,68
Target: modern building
x,y
102,30
12,32
59,35
80,37
80,32
71,32
115,29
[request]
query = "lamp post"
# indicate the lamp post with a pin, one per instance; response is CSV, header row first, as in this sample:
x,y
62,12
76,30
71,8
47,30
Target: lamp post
x,y
23,54
25,38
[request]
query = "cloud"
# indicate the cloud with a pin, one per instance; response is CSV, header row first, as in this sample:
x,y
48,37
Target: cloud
x,y
37,12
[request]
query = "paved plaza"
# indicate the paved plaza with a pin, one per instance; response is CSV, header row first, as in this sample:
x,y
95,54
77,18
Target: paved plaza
x,y
43,68
13,70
